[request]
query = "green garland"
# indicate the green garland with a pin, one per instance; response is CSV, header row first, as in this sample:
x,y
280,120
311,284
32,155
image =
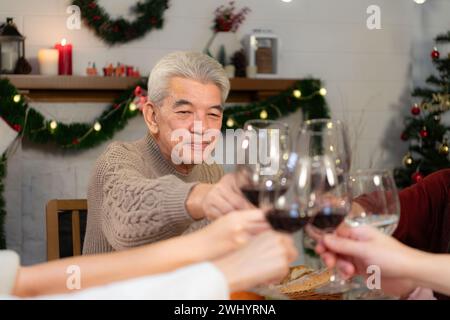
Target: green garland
x,y
149,16
37,128
308,94
31,124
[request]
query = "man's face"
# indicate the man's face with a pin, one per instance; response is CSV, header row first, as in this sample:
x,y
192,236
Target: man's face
x,y
190,109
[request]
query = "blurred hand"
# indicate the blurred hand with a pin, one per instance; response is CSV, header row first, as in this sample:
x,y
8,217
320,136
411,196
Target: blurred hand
x,y
264,260
231,232
214,201
352,250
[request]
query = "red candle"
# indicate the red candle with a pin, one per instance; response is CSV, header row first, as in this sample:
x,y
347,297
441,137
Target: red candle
x,y
65,57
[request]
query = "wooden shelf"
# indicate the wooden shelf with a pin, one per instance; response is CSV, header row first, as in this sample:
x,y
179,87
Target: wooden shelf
x,y
106,89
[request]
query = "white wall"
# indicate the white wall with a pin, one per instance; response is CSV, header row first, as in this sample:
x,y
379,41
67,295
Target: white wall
x,y
368,75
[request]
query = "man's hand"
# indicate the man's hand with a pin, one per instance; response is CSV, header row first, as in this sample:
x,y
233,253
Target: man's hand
x,y
214,201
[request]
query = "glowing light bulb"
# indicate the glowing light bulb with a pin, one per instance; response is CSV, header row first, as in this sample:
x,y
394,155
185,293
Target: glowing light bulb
x,y
53,125
133,106
263,115
297,93
97,126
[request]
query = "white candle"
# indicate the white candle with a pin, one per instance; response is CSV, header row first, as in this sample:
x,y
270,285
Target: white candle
x,y
7,62
252,71
48,61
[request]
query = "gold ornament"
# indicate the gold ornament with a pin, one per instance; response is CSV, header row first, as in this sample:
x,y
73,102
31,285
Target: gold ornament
x,y
408,160
444,148
17,98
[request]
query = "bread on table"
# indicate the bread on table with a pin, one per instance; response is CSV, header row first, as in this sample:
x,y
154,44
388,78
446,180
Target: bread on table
x,y
301,282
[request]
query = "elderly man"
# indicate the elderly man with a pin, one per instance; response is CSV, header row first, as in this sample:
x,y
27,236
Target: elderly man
x,y
137,193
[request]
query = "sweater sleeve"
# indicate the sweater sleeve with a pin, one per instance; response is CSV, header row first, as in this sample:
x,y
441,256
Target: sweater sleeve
x,y
425,220
196,282
137,210
9,265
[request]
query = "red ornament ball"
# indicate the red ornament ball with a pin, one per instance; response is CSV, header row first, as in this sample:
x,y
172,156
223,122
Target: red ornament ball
x,y
75,141
435,54
416,177
92,5
404,136
17,127
138,91
424,133
415,110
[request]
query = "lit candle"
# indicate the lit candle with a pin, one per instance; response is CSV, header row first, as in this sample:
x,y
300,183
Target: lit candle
x,y
48,61
65,57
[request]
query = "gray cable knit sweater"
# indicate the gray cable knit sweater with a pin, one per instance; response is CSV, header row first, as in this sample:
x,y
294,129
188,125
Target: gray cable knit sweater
x,y
136,197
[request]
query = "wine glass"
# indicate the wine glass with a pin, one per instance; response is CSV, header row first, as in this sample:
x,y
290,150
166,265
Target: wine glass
x,y
263,154
282,205
324,149
376,203
326,136
327,200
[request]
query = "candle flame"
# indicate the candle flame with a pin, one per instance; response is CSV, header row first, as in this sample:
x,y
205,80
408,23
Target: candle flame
x,y
63,42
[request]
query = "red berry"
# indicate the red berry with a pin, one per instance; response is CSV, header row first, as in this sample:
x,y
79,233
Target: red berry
x,y
416,177
138,91
17,127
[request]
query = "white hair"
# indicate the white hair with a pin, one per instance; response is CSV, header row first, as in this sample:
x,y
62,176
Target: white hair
x,y
189,65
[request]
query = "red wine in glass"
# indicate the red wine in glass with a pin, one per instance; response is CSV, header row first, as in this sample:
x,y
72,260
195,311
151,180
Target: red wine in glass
x,y
328,219
253,194
286,220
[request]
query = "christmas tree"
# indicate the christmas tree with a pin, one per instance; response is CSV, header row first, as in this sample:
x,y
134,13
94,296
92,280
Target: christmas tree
x,y
425,131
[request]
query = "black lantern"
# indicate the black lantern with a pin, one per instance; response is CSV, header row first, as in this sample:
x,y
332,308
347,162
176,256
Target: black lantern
x,y
12,49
